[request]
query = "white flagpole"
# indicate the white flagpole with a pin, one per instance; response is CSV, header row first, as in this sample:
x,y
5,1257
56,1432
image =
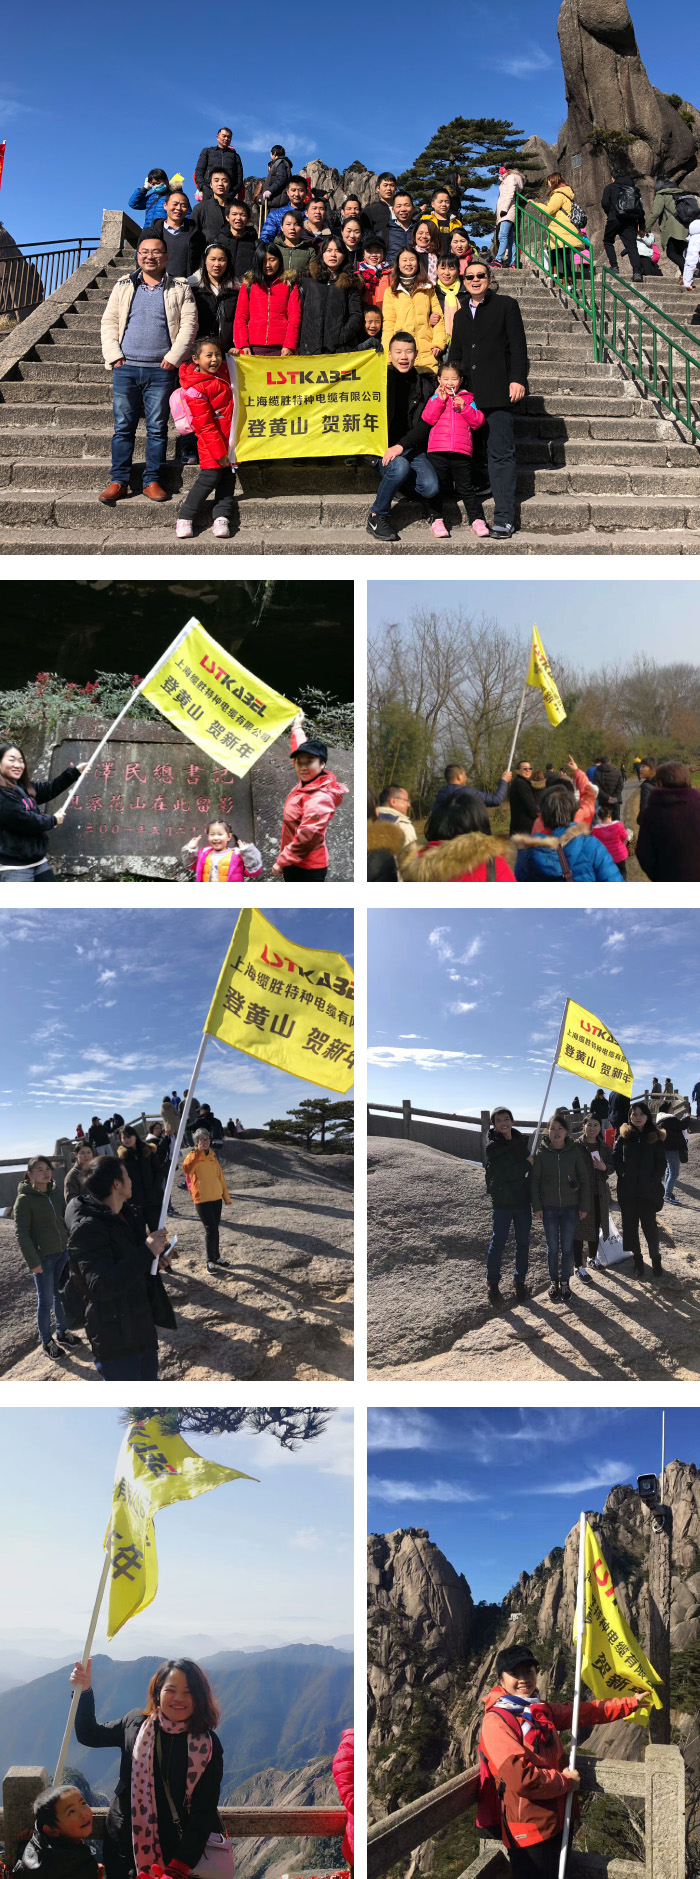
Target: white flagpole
x,y
518,723
538,1130
127,707
577,1691
85,1659
179,1137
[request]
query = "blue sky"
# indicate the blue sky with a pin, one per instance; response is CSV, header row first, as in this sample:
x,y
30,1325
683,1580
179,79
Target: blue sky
x,y
278,1554
91,101
601,622
498,1488
104,1012
464,1008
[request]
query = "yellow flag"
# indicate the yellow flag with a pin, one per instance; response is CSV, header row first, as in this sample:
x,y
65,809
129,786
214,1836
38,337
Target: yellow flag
x,y
288,1006
152,1471
330,405
613,1663
216,702
539,672
591,1052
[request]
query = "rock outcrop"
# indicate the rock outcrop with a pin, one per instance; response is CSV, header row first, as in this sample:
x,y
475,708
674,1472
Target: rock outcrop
x,y
432,1652
312,1786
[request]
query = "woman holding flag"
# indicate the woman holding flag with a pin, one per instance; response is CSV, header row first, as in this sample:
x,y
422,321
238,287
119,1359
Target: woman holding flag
x,y
166,1799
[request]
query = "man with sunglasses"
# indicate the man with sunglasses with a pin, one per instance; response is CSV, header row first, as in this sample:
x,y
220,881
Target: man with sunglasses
x,y
489,348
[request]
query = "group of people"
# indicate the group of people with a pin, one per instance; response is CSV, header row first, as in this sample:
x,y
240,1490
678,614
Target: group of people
x,y
95,1246
562,1179
164,1814
219,855
675,211
394,275
564,826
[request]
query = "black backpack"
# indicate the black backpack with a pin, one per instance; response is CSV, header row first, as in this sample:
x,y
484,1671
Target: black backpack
x,y
628,200
686,210
73,1294
577,215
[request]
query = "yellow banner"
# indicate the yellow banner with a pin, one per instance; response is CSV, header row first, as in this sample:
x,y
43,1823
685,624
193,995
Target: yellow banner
x,y
205,693
613,1663
328,405
589,1051
286,1005
152,1471
539,672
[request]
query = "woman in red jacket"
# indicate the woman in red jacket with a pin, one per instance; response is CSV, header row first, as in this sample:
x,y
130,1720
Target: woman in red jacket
x,y
524,1765
459,846
268,313
205,382
314,799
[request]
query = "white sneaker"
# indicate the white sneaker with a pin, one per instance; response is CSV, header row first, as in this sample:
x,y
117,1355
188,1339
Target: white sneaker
x,y
220,526
183,529
584,1273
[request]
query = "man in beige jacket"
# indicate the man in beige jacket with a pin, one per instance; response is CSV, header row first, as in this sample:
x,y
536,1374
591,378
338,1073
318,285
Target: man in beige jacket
x,y
148,328
510,182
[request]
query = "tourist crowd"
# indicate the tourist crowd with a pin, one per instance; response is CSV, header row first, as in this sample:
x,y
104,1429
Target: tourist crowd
x,y
564,826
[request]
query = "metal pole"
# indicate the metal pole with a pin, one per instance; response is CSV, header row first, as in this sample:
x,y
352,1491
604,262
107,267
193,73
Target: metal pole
x,y
127,707
85,1659
577,1691
518,723
536,1137
180,1134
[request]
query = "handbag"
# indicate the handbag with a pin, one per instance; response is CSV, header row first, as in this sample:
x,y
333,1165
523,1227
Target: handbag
x,y
217,1860
610,1251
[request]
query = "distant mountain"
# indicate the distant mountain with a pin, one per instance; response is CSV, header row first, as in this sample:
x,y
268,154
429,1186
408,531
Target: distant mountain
x,y
312,1786
279,1709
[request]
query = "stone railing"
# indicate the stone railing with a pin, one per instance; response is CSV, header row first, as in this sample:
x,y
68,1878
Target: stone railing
x,y
659,1781
21,1786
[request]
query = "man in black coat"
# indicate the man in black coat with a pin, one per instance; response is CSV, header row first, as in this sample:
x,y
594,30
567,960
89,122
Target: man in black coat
x,y
524,800
380,213
489,348
241,240
406,465
219,156
182,235
111,1254
508,1183
211,215
668,844
624,209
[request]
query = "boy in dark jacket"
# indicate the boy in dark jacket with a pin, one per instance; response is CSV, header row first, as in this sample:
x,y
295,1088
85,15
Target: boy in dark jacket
x,y
640,1165
406,467
58,1848
508,1183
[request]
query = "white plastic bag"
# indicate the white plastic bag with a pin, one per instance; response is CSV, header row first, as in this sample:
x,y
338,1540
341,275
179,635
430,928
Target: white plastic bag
x,y
610,1250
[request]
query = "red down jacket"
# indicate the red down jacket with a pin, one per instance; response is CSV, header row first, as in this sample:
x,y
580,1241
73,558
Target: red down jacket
x,y
209,401
268,317
344,1774
306,815
535,1781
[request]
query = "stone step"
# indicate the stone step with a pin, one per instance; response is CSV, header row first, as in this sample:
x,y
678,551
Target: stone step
x,y
58,366
536,476
100,540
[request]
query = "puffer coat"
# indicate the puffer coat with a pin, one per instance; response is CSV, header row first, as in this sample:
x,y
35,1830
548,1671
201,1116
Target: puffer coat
x,y
331,311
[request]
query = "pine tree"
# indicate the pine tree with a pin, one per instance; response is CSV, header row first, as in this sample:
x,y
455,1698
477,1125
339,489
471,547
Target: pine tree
x,y
465,156
289,1426
316,1116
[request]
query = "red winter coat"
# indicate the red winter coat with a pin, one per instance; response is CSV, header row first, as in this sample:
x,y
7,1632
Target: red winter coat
x,y
268,317
210,405
306,815
535,1781
344,1773
586,808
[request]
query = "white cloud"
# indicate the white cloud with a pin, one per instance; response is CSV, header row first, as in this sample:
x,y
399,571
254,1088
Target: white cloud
x,y
602,1475
439,940
419,1491
104,977
401,1428
618,938
307,1539
535,59
461,1006
389,1056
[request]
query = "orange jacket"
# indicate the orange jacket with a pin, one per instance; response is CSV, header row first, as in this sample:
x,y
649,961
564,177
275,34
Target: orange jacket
x,y
533,1783
586,808
204,1176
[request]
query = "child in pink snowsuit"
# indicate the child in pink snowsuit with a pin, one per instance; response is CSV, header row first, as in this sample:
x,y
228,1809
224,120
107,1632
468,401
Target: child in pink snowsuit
x,y
613,835
453,416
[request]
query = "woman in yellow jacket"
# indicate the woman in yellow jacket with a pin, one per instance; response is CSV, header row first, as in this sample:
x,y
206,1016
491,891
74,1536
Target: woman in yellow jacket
x,y
205,1180
558,208
411,305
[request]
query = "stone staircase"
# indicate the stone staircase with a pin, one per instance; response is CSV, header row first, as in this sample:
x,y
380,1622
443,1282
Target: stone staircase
x,y
601,468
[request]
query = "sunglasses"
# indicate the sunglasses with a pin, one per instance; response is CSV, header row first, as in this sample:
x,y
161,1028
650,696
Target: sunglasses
x,y
482,276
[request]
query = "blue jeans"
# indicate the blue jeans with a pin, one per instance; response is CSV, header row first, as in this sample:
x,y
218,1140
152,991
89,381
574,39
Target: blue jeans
x,y
506,242
139,1368
522,1222
401,477
560,1225
138,389
673,1168
47,1295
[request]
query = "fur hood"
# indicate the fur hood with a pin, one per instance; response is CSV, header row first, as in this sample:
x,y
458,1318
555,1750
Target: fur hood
x,y
384,835
149,1148
317,271
648,1134
449,860
571,834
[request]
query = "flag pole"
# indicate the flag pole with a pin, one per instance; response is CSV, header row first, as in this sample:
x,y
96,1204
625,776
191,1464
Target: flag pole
x,y
180,1135
557,1049
127,707
85,1659
518,723
577,1691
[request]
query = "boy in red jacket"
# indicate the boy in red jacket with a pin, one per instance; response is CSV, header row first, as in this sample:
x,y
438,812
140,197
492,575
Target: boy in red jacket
x,y
520,1750
206,386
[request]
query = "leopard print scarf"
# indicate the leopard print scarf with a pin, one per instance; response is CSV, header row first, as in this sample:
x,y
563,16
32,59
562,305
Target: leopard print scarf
x,y
144,1817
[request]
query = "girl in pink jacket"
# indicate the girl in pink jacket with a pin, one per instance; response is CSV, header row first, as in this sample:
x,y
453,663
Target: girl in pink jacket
x,y
223,857
453,416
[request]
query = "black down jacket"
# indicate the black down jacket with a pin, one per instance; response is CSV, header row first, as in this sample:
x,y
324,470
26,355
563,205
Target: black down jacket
x,y
198,1820
331,319
640,1164
112,1259
490,349
24,831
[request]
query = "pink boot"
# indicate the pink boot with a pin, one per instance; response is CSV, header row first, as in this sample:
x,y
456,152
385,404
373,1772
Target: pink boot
x,y
438,529
479,527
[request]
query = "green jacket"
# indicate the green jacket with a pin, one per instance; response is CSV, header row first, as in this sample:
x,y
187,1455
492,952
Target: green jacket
x,y
296,259
561,1177
661,212
39,1222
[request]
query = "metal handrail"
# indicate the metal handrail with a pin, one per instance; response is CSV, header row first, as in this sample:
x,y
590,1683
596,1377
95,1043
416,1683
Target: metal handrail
x,y
30,275
645,365
537,237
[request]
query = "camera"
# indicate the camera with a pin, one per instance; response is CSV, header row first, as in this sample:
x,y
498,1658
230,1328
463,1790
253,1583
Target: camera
x,y
648,1489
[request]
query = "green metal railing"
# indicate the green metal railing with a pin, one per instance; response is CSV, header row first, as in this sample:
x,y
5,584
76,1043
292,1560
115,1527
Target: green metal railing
x,y
571,269
660,361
